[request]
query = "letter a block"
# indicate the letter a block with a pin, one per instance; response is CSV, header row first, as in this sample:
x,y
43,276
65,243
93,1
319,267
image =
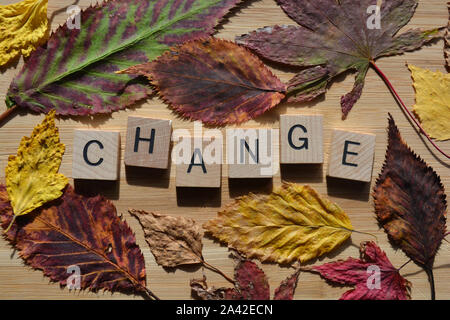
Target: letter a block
x,y
301,139
203,166
351,155
96,155
148,142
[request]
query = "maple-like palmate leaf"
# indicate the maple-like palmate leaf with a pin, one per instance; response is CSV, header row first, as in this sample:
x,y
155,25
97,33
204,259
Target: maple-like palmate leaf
x,y
215,81
251,283
358,273
292,223
174,241
76,231
410,203
432,101
75,72
23,27
333,37
32,177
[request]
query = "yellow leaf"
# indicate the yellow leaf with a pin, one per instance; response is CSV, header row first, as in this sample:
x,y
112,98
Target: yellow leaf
x,y
292,223
32,177
432,101
23,27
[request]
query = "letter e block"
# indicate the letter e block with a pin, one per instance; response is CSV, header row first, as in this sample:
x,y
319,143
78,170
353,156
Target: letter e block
x,y
148,142
301,139
96,155
351,155
203,167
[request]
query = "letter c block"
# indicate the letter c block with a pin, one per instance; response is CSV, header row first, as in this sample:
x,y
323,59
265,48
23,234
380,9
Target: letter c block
x,y
96,155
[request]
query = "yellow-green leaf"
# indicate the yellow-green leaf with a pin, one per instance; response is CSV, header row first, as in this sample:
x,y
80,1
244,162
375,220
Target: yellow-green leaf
x,y
432,101
23,27
32,177
292,223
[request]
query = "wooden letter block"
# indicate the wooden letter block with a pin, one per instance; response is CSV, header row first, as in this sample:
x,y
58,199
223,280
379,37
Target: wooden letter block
x,y
148,142
351,155
250,153
301,139
96,155
203,167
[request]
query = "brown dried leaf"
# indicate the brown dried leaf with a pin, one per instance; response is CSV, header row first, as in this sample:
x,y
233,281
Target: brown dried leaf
x,y
174,241
82,232
214,81
410,202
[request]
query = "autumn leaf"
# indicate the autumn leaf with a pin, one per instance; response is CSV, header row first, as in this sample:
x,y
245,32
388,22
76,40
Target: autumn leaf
x,y
251,283
23,27
214,81
333,37
359,273
293,223
432,101
32,177
75,231
410,203
447,40
174,241
75,73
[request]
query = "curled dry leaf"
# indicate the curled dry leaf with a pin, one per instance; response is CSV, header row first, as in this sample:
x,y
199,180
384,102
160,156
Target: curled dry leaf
x,y
292,223
32,177
360,274
432,101
333,37
215,81
174,241
75,231
250,284
75,73
23,27
410,202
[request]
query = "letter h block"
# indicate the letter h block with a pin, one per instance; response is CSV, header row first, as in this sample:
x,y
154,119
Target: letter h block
x,y
96,155
301,139
351,155
148,142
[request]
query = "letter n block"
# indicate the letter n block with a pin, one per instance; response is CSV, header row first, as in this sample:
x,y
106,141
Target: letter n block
x,y
202,167
351,155
96,155
148,142
301,139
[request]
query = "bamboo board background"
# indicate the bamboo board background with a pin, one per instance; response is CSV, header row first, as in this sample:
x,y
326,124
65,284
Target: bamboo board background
x,y
153,190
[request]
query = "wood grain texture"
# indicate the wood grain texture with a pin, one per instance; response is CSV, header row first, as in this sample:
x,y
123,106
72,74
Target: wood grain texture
x,y
301,139
96,155
151,190
351,155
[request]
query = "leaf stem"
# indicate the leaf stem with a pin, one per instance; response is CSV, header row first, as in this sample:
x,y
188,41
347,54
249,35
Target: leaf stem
x,y
402,104
212,268
7,113
149,293
10,224
404,264
366,233
429,272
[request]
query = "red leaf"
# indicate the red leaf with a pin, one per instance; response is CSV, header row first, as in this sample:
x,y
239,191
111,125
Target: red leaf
x,y
78,231
250,284
354,272
215,81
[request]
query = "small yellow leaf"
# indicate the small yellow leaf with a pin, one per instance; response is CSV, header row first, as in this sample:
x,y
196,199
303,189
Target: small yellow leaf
x,y
432,101
23,27
292,223
32,177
